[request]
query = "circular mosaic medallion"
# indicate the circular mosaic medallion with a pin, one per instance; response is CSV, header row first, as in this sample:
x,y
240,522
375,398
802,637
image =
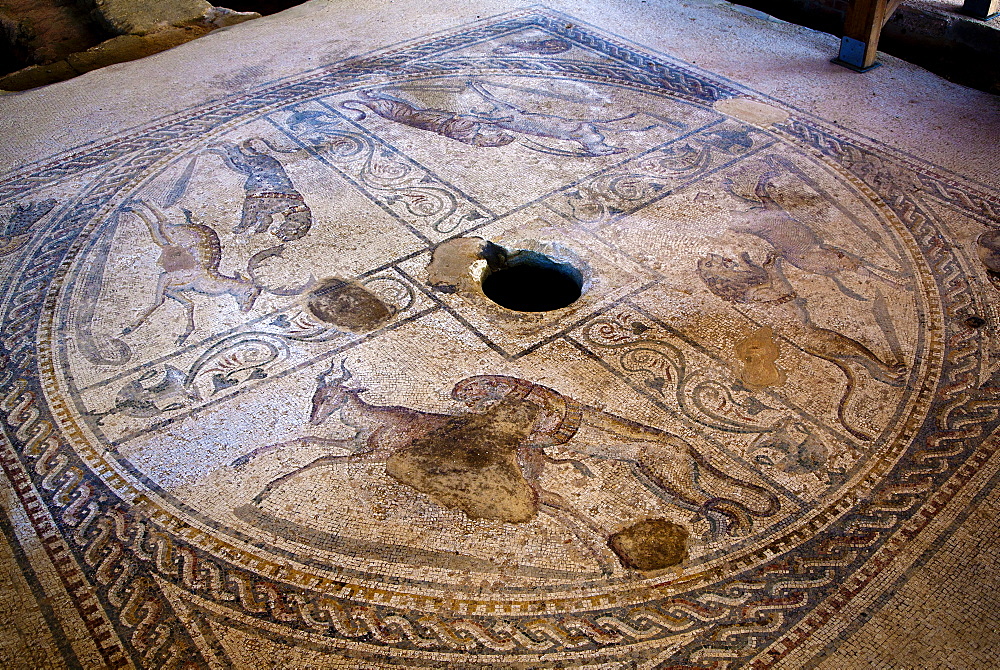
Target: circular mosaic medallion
x,y
268,348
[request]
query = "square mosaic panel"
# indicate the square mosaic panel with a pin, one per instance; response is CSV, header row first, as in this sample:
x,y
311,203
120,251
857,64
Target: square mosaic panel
x,y
256,400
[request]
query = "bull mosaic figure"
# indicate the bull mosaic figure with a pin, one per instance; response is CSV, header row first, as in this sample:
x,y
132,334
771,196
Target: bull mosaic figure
x,y
489,460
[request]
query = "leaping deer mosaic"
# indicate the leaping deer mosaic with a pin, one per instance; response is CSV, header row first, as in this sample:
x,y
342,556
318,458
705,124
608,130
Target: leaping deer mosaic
x,y
669,466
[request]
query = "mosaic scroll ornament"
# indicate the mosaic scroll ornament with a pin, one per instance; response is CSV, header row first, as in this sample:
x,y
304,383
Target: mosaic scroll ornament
x,y
185,289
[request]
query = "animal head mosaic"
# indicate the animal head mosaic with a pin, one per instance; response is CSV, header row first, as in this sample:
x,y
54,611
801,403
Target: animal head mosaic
x,y
251,372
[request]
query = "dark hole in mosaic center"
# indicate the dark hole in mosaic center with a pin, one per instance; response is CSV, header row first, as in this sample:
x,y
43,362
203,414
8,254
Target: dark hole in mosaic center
x,y
532,282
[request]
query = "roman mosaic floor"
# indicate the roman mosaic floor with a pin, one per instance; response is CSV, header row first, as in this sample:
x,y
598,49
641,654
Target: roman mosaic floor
x,y
259,410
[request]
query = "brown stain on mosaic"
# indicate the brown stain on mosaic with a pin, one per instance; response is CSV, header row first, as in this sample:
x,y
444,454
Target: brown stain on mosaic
x,y
758,353
651,544
174,258
471,463
348,305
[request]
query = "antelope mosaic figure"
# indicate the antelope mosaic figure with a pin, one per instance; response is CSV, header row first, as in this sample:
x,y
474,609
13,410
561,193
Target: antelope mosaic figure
x,y
385,430
381,429
190,257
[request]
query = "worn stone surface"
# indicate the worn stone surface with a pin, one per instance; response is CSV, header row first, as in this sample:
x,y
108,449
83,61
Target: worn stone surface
x,y
457,264
471,463
244,426
137,17
651,544
64,42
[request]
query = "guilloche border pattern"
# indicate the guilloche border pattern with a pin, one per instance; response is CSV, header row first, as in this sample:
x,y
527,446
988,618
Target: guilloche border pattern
x,y
118,564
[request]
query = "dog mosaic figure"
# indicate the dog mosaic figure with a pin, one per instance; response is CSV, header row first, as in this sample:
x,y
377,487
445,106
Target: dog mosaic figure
x,y
800,246
744,282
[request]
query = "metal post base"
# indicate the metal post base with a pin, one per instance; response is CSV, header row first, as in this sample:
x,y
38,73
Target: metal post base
x,y
852,66
852,55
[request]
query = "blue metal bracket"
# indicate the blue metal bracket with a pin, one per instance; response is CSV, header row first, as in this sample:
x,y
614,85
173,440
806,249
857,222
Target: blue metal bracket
x,y
852,55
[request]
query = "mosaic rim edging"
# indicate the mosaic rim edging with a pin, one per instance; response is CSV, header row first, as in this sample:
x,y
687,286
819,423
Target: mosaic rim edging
x,y
120,565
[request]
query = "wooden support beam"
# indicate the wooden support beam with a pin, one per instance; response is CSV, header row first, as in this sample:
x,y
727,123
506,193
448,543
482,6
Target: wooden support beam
x,y
982,9
862,27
